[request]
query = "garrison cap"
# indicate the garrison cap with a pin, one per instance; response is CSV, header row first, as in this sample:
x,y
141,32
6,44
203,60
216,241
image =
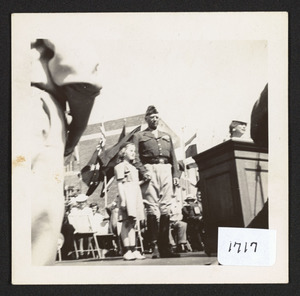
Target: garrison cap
x,y
151,110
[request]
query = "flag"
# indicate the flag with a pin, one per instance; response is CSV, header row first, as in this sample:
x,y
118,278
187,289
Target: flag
x,y
91,174
110,154
191,140
109,157
123,133
191,150
102,163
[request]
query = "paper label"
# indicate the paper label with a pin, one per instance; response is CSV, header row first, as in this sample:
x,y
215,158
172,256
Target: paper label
x,y
248,247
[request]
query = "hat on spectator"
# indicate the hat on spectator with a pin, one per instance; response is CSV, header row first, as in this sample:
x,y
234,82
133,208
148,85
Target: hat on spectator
x,y
81,198
93,204
235,123
190,197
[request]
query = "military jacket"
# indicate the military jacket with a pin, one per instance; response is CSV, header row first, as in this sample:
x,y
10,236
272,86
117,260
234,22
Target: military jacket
x,y
148,146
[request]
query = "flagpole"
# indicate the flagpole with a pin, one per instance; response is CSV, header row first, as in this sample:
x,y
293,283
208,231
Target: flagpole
x,y
78,165
198,149
183,160
109,184
105,191
187,175
102,128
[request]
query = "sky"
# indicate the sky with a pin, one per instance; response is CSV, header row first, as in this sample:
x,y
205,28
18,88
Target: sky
x,y
196,85
200,70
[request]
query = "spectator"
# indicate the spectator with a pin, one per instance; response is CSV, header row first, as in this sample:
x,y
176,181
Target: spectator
x,y
81,207
101,225
237,129
99,222
177,227
192,215
114,225
67,231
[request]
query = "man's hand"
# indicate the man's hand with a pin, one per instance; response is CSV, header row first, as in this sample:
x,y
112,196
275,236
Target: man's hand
x,y
123,204
147,176
176,181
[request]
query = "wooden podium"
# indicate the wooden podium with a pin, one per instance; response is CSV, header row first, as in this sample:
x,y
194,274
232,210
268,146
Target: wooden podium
x,y
233,184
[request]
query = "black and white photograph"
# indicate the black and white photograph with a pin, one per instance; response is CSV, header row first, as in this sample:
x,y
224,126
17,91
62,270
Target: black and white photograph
x,y
149,148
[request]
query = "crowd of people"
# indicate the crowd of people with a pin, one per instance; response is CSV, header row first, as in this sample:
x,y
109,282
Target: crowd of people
x,y
147,174
119,235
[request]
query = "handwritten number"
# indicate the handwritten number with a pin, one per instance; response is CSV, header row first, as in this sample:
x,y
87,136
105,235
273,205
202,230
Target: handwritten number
x,y
240,245
229,247
255,245
239,249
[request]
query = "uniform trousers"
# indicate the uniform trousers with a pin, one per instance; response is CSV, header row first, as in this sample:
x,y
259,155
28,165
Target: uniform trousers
x,y
157,194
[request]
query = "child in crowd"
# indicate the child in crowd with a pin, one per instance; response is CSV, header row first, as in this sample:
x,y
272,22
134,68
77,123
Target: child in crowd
x,y
131,209
98,221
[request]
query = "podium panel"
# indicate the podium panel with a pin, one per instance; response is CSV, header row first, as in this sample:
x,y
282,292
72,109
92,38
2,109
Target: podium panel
x,y
233,184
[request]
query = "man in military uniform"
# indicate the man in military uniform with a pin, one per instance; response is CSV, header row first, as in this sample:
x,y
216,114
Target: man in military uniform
x,y
157,164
